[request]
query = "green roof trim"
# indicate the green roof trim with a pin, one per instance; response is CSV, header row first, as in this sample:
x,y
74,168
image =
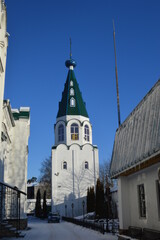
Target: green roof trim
x,y
64,106
21,114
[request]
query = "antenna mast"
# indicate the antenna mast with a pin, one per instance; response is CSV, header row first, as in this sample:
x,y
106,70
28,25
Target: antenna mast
x,y
118,106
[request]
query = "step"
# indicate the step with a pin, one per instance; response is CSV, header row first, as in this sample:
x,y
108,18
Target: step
x,y
8,226
21,235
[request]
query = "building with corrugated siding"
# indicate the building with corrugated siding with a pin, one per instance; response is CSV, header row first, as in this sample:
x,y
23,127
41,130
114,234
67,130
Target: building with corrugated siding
x,y
136,164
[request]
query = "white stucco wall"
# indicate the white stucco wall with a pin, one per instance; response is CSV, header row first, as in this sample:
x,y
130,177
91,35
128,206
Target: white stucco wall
x,y
70,185
129,200
31,204
14,152
3,54
20,158
7,127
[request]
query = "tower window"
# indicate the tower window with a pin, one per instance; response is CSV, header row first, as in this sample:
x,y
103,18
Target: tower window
x,y
72,102
71,92
86,133
86,165
65,165
71,83
60,133
74,131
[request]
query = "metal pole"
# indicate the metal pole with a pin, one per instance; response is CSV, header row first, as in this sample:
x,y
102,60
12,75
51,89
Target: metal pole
x,y
83,203
66,210
118,105
19,210
72,210
73,169
94,167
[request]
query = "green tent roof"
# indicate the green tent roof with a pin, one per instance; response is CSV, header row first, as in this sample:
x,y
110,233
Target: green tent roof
x,y
72,102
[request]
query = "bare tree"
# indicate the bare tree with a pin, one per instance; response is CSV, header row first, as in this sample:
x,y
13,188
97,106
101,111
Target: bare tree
x,y
45,176
109,187
104,171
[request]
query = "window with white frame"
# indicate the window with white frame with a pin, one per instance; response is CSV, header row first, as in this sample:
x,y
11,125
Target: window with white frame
x,y
142,201
72,102
86,165
71,92
86,133
74,131
60,133
65,165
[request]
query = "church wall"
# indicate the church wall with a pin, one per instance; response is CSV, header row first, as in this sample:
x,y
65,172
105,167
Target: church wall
x,y
70,185
130,206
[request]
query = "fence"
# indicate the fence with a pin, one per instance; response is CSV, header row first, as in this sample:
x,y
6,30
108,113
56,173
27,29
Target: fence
x,y
98,226
9,206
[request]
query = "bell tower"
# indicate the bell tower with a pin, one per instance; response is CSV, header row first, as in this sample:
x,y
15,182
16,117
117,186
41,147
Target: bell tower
x,y
75,162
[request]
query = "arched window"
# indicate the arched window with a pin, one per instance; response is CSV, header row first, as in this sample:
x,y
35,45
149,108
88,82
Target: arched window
x,y
71,83
74,131
86,165
86,133
65,165
60,133
72,102
71,92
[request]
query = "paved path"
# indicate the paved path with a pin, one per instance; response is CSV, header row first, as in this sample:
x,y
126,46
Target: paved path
x,y
42,230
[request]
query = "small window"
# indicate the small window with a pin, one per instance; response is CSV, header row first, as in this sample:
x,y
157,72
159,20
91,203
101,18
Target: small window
x,y
72,102
86,165
60,133
65,165
71,92
74,131
71,83
158,197
86,133
142,202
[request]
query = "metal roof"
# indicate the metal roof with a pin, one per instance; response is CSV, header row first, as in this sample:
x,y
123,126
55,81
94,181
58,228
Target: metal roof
x,y
138,138
64,106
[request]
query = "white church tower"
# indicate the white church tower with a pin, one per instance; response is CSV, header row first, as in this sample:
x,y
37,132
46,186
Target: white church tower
x,y
75,161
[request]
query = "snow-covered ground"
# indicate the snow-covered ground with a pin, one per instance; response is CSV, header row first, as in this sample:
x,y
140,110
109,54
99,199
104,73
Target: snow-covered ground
x,y
42,230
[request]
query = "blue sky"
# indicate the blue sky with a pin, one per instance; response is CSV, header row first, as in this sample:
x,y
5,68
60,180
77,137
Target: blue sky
x,y
39,45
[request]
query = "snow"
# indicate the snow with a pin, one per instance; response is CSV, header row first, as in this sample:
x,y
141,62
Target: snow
x,y
87,215
42,230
